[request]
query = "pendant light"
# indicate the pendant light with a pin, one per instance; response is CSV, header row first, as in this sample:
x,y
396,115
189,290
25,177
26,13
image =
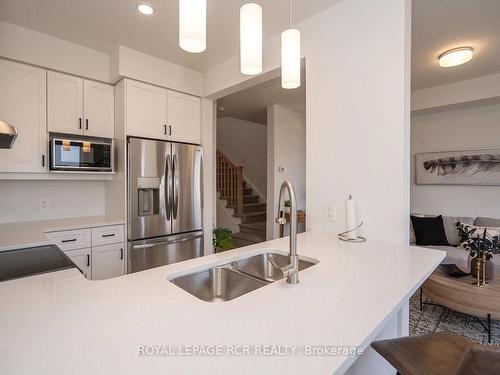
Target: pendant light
x,y
193,25
251,39
290,55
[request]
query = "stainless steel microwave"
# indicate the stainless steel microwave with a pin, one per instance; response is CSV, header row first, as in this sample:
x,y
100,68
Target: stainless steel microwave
x,y
83,154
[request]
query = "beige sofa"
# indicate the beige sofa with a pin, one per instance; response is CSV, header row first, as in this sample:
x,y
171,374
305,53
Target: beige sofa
x,y
454,254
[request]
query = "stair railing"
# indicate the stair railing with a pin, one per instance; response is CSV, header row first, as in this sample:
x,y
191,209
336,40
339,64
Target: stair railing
x,y
230,181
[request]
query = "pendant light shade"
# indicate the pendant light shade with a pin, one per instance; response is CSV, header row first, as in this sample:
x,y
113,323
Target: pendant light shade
x,y
251,39
290,59
193,25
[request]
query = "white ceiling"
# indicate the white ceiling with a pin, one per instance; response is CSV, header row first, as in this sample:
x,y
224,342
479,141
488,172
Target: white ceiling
x,y
439,25
251,104
103,24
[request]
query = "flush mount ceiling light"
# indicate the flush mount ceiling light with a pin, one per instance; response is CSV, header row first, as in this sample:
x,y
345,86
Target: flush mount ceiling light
x,y
290,55
456,56
251,39
145,9
193,25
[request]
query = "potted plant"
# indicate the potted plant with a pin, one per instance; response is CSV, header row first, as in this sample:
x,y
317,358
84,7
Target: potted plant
x,y
286,209
222,239
481,247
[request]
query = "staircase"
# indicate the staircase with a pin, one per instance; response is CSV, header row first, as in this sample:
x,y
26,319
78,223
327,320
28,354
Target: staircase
x,y
241,198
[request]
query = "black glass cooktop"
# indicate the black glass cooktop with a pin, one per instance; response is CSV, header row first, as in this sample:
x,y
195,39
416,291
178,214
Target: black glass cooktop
x,y
32,261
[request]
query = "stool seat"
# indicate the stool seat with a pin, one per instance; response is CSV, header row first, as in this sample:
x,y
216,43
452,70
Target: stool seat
x,y
438,353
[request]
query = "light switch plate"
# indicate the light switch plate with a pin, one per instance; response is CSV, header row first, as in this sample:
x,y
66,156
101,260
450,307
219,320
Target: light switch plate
x,y
44,204
330,213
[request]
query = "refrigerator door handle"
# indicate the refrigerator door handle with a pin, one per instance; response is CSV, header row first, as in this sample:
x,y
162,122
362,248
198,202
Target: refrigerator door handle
x,y
170,242
176,187
168,186
149,245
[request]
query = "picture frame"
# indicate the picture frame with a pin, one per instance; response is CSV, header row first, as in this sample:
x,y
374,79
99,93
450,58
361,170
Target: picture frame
x,y
466,167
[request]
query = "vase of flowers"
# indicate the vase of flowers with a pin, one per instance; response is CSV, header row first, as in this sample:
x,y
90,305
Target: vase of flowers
x,y
481,249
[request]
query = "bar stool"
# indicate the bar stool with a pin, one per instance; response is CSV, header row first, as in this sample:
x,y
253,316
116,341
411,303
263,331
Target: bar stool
x,y
439,353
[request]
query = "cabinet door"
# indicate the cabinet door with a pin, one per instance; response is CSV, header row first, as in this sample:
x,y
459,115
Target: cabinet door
x,y
146,110
82,259
65,103
23,104
184,117
98,109
108,261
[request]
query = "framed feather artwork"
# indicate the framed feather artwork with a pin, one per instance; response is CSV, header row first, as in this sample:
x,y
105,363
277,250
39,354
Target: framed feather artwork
x,y
474,167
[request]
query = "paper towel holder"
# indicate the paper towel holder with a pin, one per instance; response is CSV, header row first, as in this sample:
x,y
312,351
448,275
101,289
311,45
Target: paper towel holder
x,y
343,236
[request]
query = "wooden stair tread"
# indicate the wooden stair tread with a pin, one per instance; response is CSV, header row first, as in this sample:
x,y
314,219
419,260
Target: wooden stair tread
x,y
251,214
257,226
249,237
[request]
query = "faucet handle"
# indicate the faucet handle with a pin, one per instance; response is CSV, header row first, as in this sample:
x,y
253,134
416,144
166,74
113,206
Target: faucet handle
x,y
280,220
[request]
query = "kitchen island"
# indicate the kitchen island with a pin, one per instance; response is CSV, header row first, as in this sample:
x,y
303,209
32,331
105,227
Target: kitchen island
x,y
141,323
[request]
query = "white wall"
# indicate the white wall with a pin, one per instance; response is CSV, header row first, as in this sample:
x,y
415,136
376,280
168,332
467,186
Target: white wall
x,y
21,199
25,45
472,90
130,63
286,147
19,43
244,142
461,129
208,139
358,67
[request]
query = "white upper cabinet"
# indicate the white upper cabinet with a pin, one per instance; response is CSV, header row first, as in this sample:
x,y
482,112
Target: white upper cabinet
x,y
23,104
158,113
79,106
146,110
98,109
184,117
65,103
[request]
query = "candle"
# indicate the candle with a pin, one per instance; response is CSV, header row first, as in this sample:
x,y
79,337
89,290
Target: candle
x,y
350,218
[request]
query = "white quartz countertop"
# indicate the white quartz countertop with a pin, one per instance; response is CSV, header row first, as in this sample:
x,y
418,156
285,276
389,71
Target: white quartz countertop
x,y
61,323
32,233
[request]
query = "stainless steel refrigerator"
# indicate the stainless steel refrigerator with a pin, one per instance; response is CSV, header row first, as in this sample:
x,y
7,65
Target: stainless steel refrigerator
x,y
165,203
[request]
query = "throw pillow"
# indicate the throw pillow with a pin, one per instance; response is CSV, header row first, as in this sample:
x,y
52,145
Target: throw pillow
x,y
429,231
468,235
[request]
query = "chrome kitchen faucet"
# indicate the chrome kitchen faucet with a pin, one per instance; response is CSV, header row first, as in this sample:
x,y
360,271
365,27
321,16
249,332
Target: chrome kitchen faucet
x,y
291,271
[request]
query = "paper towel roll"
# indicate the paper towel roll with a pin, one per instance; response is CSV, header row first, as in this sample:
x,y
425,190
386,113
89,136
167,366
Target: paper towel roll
x,y
350,218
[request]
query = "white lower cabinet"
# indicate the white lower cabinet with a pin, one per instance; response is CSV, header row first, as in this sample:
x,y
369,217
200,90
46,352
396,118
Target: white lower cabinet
x,y
108,261
99,252
82,259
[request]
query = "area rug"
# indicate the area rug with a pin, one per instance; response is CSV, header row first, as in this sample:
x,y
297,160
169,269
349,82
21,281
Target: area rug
x,y
438,318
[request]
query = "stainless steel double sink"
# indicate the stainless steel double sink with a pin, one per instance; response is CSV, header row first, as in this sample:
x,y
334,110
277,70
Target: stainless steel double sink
x,y
232,280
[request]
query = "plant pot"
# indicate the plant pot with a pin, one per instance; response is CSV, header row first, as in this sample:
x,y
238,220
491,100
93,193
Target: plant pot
x,y
490,270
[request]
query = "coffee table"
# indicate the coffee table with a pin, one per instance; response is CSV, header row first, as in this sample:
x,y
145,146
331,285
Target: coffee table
x,y
460,295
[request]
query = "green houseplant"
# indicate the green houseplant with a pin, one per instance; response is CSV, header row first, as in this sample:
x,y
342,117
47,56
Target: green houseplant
x,y
222,239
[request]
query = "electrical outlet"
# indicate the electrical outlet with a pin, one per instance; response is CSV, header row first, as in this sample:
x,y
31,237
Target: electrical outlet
x,y
330,213
44,204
